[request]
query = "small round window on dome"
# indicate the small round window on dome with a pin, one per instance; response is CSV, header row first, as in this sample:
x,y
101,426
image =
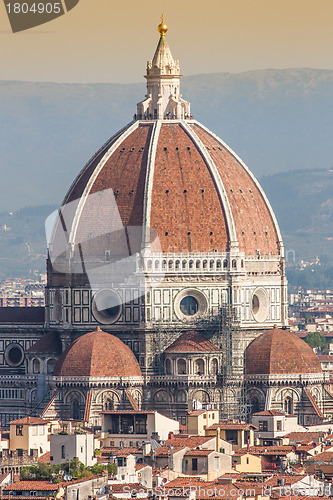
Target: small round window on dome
x,y
106,306
189,305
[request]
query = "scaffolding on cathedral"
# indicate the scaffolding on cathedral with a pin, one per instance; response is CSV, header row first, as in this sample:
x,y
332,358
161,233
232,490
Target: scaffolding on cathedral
x,y
223,330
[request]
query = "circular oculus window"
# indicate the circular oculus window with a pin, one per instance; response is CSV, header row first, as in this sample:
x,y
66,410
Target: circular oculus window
x,y
14,355
190,304
106,306
260,305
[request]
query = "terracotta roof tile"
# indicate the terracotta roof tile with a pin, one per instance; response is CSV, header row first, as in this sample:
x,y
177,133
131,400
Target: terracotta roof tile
x,y
32,485
187,211
30,421
123,487
44,459
97,354
280,352
298,437
192,342
199,453
325,456
189,441
49,343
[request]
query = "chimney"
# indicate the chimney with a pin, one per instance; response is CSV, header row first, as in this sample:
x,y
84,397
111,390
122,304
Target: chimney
x,y
171,457
218,434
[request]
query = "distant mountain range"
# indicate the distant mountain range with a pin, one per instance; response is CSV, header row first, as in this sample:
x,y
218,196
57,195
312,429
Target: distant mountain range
x,y
302,202
276,121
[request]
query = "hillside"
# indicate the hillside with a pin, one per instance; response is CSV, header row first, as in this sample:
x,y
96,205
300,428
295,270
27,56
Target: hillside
x,y
302,201
276,121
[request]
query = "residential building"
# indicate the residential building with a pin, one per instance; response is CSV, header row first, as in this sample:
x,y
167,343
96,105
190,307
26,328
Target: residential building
x,y
65,447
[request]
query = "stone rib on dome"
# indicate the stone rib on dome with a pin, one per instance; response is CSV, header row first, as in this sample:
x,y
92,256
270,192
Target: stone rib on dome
x,y
280,352
186,207
97,354
169,173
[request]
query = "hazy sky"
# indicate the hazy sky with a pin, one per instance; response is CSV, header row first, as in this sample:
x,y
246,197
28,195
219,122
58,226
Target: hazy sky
x,y
110,41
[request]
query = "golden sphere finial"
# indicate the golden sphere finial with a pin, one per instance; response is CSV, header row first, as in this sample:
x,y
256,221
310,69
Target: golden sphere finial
x,y
162,28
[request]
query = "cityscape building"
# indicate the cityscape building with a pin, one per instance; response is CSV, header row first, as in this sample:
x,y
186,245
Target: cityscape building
x,y
167,243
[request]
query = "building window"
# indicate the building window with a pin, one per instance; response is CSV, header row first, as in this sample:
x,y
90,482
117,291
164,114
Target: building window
x,y
19,430
189,305
36,366
263,425
194,464
181,367
247,461
75,409
279,425
288,405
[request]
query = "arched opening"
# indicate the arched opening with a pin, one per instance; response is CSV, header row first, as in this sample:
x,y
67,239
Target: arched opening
x,y
50,365
36,366
199,367
214,367
201,396
181,367
181,397
75,409
168,366
289,405
255,405
161,397
108,404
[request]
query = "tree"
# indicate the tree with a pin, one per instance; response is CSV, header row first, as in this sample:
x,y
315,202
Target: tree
x,y
315,339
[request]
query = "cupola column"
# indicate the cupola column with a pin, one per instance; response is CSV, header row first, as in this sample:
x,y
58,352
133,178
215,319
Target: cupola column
x,y
163,99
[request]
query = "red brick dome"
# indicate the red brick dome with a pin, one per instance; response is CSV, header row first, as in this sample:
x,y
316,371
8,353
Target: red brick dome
x,y
192,341
180,180
97,354
280,352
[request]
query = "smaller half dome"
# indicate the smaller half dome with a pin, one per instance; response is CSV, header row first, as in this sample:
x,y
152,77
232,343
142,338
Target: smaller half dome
x,y
280,352
192,341
97,354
